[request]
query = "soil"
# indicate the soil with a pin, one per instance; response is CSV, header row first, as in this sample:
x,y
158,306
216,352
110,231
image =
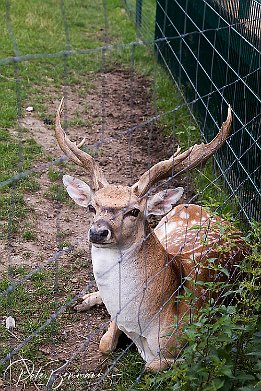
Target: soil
x,y
108,114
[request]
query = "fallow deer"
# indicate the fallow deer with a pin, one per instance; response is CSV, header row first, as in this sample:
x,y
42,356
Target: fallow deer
x,y
140,271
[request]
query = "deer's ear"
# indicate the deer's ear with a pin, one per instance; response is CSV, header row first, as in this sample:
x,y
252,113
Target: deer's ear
x,y
162,202
78,190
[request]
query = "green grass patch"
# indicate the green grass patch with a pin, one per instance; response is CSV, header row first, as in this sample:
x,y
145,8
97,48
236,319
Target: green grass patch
x,y
53,174
29,234
31,304
123,375
16,156
56,192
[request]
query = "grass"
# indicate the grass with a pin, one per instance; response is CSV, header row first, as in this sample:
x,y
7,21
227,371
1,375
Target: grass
x,y
40,28
11,151
32,303
56,192
146,30
29,234
28,313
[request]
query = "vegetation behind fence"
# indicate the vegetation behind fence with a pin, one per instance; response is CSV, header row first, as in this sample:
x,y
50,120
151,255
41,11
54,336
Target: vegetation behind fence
x,y
211,50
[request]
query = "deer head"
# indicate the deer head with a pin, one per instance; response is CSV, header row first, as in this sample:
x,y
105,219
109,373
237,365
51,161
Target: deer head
x,y
120,212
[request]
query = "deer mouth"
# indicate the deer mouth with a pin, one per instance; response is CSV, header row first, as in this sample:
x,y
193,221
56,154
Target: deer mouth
x,y
103,245
100,242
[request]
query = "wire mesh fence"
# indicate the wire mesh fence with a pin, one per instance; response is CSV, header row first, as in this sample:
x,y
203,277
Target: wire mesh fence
x,y
171,285
220,54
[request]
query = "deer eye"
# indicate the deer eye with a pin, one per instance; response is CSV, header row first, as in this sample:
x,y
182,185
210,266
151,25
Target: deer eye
x,y
91,209
133,212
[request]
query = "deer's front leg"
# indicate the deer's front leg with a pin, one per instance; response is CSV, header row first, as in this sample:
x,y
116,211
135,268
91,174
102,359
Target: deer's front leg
x,y
158,365
89,301
109,341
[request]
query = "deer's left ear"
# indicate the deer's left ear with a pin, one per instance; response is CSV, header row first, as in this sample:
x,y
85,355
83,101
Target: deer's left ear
x,y
162,202
78,190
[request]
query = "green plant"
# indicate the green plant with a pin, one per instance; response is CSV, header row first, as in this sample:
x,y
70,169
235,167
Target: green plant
x,y
29,235
56,192
122,375
222,346
30,184
53,175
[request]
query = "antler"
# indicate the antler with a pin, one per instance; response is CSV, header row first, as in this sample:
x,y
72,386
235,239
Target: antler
x,y
181,162
74,153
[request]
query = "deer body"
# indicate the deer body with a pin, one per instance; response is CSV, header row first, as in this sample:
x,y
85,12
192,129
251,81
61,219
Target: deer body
x,y
129,299
195,236
139,272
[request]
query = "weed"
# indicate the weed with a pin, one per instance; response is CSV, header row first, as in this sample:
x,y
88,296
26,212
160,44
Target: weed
x,y
53,175
127,369
222,345
12,210
64,244
56,192
78,121
29,235
30,184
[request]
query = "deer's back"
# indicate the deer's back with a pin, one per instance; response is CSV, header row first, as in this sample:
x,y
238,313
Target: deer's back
x,y
200,240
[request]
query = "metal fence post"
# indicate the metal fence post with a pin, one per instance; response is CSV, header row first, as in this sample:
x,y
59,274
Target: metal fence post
x,y
244,7
138,13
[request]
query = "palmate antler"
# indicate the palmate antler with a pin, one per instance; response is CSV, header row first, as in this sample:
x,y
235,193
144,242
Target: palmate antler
x,y
177,163
185,161
74,153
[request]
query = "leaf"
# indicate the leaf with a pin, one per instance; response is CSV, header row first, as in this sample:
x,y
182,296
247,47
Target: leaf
x,y
211,260
254,353
218,383
245,376
227,372
200,283
195,226
225,271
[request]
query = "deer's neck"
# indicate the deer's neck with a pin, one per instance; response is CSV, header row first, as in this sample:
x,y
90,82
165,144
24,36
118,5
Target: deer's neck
x,y
130,279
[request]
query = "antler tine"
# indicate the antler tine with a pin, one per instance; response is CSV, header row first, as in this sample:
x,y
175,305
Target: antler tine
x,y
75,154
181,162
61,136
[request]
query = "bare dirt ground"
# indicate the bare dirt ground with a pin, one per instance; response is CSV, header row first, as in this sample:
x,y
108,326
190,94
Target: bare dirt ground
x,y
118,101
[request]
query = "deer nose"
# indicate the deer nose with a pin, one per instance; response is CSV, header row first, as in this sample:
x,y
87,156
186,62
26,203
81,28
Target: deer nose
x,y
99,234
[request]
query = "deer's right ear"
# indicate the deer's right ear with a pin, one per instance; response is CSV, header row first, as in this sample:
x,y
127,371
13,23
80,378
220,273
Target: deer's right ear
x,y
78,190
162,202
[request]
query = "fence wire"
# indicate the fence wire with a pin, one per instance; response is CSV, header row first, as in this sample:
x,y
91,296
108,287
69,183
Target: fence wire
x,y
235,50
52,346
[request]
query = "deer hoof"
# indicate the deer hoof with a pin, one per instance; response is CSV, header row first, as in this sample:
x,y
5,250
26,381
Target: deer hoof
x,y
89,301
108,343
157,365
84,306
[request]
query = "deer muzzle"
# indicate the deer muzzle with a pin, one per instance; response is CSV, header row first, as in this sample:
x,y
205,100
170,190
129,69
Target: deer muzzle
x,y
100,232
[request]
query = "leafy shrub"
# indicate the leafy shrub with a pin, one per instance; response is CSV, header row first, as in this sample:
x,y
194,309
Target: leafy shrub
x,y
223,345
